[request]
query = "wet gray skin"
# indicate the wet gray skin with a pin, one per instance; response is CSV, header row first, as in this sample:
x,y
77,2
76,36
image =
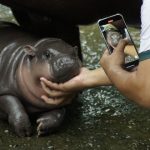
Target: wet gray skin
x,y
64,63
102,120
24,58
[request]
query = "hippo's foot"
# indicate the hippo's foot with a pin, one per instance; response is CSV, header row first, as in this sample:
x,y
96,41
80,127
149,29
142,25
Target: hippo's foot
x,y
50,121
17,115
21,124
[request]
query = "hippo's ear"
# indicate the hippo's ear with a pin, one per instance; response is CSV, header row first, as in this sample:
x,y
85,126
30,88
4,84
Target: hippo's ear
x,y
30,50
76,50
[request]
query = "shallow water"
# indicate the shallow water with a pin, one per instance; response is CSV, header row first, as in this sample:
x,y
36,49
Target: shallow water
x,y
102,119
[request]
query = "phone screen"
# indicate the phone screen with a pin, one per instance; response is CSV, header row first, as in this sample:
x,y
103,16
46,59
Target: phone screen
x,y
114,29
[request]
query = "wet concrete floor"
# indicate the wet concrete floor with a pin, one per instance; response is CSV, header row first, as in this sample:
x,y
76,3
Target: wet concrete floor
x,y
100,119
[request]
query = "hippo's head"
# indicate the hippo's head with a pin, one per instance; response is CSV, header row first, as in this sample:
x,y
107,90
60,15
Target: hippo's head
x,y
60,58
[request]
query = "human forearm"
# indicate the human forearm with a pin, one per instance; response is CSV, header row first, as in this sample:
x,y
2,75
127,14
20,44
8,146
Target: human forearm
x,y
124,81
97,77
86,79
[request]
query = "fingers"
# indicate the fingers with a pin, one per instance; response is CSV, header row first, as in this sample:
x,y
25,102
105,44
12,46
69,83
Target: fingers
x,y
58,100
105,54
56,96
66,87
52,93
50,84
52,101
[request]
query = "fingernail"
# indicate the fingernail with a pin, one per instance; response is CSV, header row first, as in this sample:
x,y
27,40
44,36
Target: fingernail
x,y
42,78
42,96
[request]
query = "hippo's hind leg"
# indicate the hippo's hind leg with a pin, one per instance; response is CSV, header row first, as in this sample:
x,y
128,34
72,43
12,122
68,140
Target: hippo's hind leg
x,y
50,121
16,114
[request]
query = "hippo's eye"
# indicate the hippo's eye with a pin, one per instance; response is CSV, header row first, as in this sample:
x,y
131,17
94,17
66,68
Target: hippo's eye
x,y
47,54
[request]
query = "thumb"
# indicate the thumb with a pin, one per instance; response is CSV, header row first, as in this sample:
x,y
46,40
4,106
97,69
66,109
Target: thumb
x,y
121,46
104,56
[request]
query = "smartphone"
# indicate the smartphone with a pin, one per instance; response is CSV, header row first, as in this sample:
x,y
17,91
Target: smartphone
x,y
113,29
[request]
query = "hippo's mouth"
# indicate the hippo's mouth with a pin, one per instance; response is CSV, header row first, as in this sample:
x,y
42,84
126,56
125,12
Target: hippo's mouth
x,y
64,68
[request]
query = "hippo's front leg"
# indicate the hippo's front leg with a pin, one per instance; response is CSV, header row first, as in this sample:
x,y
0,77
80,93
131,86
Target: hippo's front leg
x,y
50,121
17,115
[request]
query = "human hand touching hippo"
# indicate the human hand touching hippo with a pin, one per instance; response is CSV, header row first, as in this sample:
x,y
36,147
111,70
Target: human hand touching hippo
x,y
24,59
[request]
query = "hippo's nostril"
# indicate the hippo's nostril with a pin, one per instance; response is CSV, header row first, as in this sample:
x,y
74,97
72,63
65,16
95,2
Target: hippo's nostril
x,y
64,68
63,63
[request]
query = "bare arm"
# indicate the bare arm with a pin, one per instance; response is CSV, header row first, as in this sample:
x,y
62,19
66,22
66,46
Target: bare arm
x,y
85,79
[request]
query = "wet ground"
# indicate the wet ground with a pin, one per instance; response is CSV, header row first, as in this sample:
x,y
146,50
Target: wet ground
x,y
101,118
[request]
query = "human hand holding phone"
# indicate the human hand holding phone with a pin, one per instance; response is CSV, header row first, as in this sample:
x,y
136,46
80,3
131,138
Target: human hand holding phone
x,y
114,29
108,61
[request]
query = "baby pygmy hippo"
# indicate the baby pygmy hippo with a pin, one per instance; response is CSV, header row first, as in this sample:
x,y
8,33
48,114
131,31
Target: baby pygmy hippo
x,y
25,58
